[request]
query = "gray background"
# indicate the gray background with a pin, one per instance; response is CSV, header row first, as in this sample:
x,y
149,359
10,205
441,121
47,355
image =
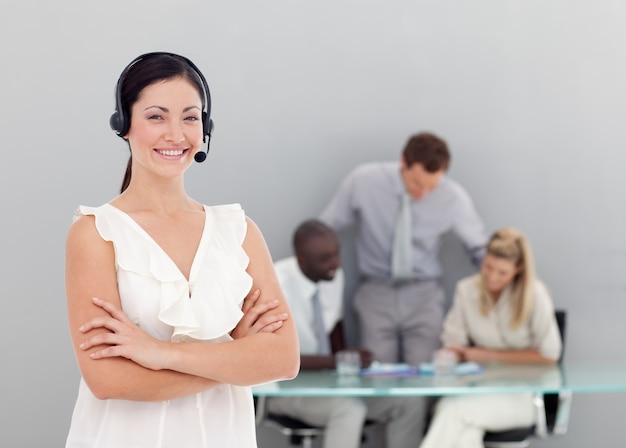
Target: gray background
x,y
529,95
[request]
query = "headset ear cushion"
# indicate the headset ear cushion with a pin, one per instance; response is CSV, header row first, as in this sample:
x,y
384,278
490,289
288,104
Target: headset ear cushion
x,y
114,122
118,123
207,123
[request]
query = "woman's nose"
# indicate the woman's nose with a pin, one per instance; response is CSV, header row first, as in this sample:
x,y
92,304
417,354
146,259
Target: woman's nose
x,y
175,133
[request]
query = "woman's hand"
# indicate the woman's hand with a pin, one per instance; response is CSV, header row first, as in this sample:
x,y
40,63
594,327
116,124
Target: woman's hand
x,y
125,339
257,317
478,354
458,351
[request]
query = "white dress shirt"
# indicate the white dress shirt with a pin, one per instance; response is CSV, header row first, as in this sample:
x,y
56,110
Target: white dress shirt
x,y
299,290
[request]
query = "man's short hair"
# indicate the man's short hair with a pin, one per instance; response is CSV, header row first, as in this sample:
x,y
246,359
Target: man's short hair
x,y
308,229
428,150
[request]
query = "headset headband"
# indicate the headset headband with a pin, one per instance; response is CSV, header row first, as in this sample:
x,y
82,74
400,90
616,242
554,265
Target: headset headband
x,y
119,121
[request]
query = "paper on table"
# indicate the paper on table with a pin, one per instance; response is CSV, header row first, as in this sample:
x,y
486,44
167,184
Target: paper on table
x,y
390,369
463,368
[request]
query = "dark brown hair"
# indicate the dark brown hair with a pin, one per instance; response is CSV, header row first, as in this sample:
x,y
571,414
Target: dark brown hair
x,y
428,150
148,70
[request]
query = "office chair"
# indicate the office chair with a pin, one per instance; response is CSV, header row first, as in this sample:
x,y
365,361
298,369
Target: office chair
x,y
300,434
552,411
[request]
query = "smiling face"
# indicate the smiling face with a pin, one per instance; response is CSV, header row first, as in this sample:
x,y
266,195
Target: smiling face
x,y
166,127
319,257
497,273
419,182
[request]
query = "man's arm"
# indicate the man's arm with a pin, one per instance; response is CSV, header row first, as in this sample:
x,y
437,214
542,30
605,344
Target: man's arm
x,y
337,343
320,362
339,212
470,229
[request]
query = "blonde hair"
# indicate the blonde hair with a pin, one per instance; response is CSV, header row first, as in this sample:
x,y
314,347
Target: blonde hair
x,y
510,244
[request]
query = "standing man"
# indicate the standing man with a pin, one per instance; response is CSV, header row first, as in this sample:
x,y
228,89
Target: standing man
x,y
402,211
313,279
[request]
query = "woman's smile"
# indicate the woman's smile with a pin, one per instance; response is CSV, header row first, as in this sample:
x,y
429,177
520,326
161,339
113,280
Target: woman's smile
x,y
171,152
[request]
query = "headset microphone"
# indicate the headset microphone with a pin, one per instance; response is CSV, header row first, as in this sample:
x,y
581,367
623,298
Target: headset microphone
x,y
200,156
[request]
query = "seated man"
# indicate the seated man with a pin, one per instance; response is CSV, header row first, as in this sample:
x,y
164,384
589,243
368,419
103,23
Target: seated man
x,y
314,273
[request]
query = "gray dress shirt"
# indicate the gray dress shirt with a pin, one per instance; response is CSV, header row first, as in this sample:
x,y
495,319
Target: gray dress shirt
x,y
370,197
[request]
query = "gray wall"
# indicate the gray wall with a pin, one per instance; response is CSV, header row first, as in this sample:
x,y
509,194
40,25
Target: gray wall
x,y
529,94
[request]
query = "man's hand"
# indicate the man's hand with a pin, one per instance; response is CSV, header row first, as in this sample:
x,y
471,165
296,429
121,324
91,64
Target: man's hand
x,y
366,357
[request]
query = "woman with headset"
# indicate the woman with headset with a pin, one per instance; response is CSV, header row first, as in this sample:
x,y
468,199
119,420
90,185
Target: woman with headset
x,y
166,316
504,314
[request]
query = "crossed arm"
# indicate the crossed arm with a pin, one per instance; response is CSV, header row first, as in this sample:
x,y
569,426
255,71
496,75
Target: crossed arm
x,y
118,360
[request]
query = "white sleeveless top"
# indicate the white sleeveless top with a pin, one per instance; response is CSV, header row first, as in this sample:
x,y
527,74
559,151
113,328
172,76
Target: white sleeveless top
x,y
156,296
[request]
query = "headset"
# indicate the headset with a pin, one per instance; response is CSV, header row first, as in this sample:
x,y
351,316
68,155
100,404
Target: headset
x,y
120,123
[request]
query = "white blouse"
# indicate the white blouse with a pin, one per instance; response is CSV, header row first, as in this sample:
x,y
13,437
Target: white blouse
x,y
465,322
157,296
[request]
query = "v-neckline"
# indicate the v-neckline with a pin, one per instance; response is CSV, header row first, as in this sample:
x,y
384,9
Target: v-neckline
x,y
194,261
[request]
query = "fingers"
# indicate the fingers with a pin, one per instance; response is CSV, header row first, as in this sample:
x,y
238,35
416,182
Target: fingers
x,y
114,311
109,352
261,321
465,354
272,327
366,359
250,300
101,339
107,322
257,317
458,350
270,322
115,322
253,314
260,309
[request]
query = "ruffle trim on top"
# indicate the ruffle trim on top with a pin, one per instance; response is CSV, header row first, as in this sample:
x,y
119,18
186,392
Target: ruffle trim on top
x,y
218,280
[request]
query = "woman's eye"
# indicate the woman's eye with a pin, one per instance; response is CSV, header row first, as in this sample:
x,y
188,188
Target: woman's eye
x,y
155,117
193,118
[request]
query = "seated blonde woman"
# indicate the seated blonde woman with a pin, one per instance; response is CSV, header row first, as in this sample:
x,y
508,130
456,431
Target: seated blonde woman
x,y
504,314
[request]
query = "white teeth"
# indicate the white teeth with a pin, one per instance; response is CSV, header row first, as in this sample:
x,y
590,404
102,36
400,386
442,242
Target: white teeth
x,y
175,152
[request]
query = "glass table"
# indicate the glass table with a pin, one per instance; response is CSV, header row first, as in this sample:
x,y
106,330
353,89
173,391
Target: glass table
x,y
562,382
568,377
